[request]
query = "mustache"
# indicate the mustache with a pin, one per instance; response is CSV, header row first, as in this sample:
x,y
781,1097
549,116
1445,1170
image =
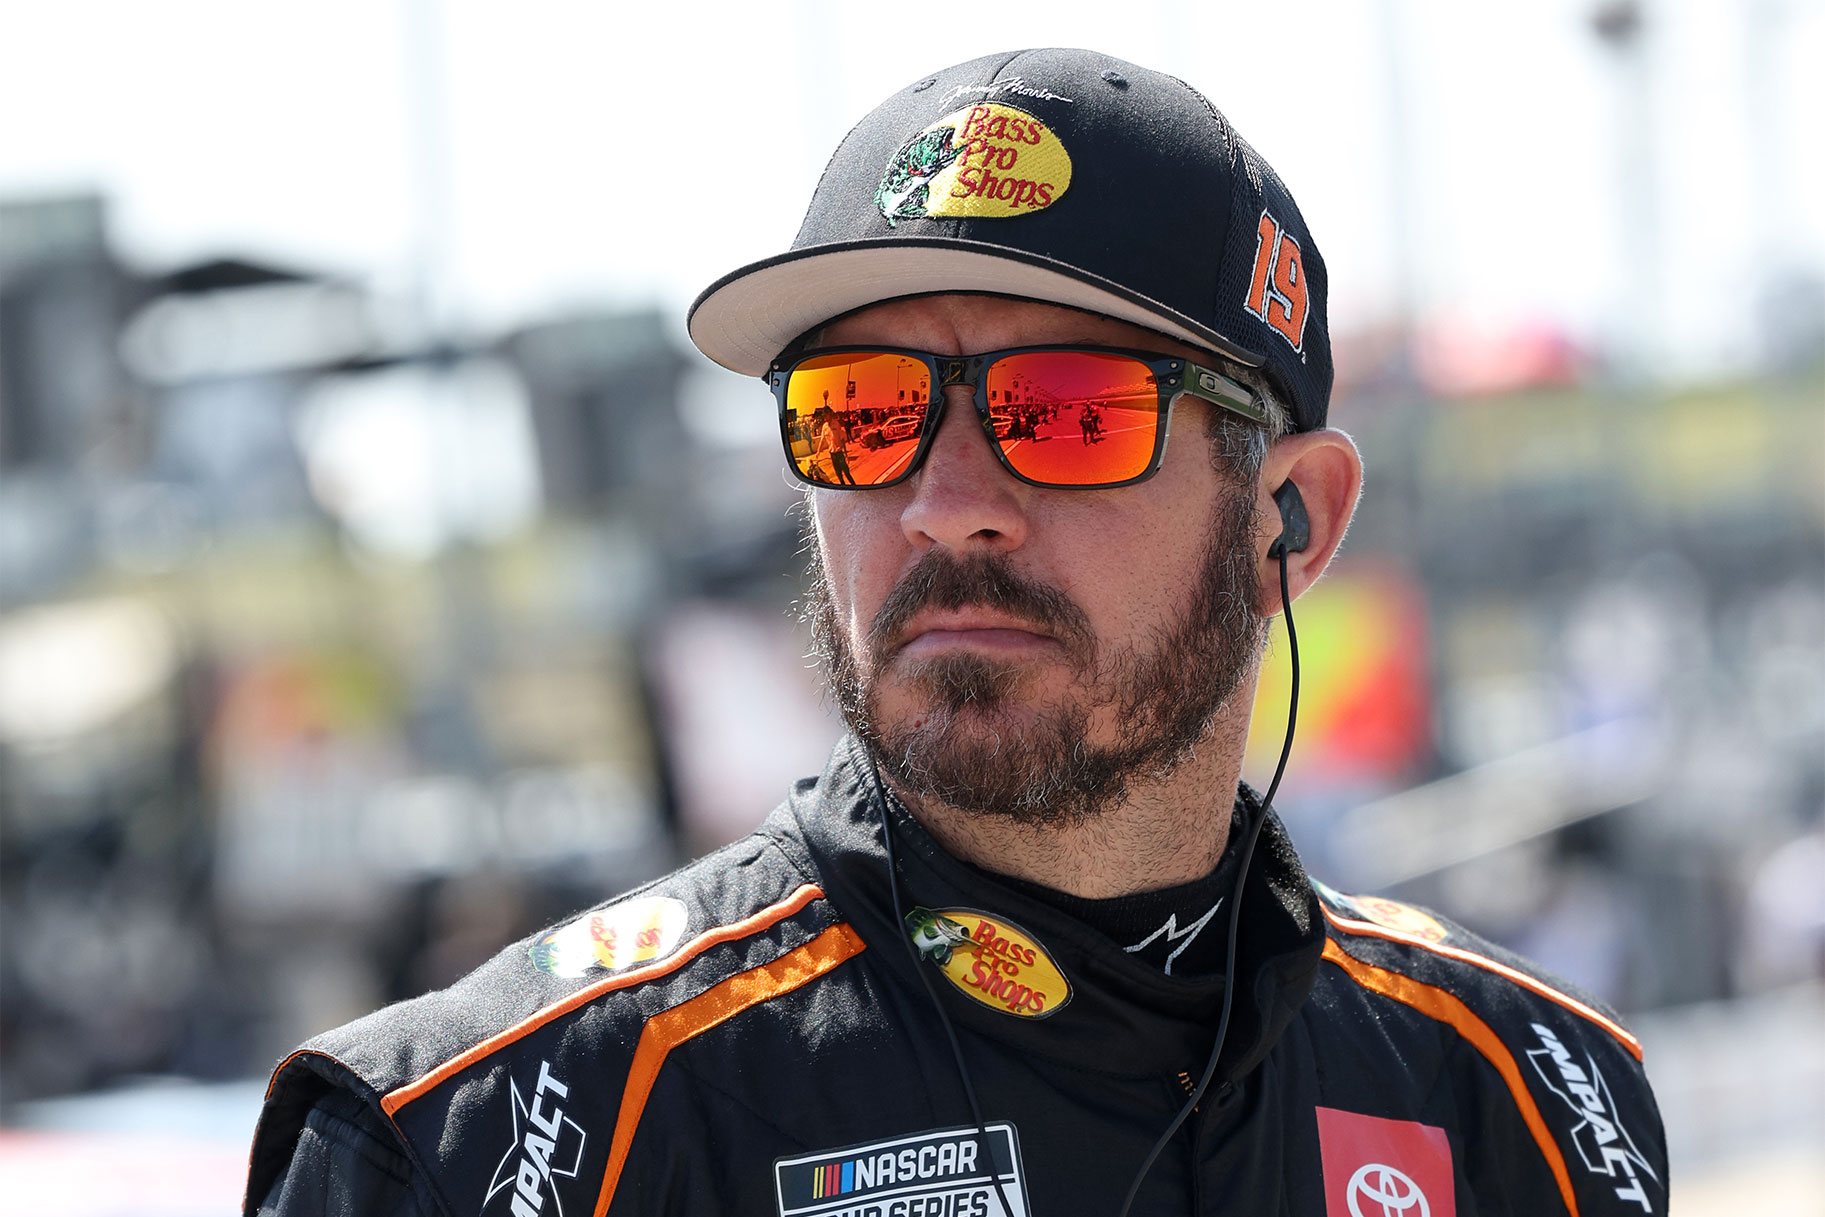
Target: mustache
x,y
941,581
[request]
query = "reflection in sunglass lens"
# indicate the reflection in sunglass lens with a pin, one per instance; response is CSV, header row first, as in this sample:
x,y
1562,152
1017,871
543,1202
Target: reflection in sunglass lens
x,y
854,418
1074,418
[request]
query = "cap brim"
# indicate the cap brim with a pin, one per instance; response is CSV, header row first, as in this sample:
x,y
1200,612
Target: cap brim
x,y
743,320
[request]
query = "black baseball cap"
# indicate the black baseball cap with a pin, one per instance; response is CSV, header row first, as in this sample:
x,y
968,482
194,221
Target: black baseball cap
x,y
1063,176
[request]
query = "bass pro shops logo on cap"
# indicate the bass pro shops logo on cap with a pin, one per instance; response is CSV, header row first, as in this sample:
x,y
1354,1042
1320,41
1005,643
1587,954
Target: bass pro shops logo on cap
x,y
988,161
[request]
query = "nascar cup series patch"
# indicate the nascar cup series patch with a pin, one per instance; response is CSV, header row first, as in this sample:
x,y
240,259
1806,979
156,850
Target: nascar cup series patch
x,y
950,1172
985,161
611,939
991,960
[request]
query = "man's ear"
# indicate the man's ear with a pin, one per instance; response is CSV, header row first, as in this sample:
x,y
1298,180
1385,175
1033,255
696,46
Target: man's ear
x,y
1328,471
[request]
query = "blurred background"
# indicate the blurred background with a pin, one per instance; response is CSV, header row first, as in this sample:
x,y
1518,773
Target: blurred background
x,y
383,575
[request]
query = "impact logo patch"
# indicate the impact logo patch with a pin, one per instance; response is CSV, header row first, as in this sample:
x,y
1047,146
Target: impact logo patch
x,y
620,936
951,1172
1602,1141
1374,1167
991,960
987,161
547,1146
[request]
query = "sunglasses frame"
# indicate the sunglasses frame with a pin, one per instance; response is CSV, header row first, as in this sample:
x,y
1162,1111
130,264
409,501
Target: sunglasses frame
x,y
1174,376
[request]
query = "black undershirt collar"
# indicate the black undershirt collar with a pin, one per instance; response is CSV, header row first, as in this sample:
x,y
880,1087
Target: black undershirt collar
x,y
1178,930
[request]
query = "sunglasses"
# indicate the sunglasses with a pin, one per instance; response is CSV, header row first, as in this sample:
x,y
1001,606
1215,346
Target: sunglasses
x,y
1057,416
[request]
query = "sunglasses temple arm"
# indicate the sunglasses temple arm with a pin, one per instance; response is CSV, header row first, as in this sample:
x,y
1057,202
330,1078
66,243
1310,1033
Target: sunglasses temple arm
x,y
1222,391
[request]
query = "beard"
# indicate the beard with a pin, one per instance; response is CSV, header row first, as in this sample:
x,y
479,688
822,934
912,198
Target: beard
x,y
968,749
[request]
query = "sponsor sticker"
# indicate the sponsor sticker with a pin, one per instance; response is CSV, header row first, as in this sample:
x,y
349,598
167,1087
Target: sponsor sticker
x,y
1375,1167
949,1172
987,160
1602,1141
1391,915
990,959
547,1146
620,936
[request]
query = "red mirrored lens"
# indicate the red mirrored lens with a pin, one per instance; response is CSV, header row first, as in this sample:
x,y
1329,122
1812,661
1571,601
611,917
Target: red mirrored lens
x,y
854,418
1074,418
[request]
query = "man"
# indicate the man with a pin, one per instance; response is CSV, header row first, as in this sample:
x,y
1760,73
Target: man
x,y
836,442
1027,945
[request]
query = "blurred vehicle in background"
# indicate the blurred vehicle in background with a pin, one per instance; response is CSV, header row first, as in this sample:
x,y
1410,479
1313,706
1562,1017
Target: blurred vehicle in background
x,y
337,652
269,764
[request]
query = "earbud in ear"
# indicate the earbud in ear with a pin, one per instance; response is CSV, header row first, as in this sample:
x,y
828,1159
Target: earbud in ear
x,y
1295,528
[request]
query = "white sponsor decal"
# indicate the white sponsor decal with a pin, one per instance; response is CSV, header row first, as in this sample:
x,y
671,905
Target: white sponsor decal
x,y
950,1172
1174,933
1381,1191
547,1145
1602,1141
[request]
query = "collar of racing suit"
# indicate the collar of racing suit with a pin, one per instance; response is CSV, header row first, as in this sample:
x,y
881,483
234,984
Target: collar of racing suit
x,y
1123,1016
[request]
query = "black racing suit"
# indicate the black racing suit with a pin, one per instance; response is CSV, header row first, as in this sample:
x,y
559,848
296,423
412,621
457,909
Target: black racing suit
x,y
752,1035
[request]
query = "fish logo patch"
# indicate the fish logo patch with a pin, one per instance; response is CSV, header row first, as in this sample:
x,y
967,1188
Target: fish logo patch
x,y
986,161
990,960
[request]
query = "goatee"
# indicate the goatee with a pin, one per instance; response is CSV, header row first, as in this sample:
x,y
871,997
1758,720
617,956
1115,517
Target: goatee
x,y
967,750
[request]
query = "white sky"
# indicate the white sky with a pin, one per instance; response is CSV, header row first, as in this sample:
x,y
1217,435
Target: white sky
x,y
607,151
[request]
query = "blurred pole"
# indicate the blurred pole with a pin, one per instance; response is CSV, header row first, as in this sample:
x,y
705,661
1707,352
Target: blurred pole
x,y
1763,118
1403,197
1789,304
425,49
1624,27
464,629
819,42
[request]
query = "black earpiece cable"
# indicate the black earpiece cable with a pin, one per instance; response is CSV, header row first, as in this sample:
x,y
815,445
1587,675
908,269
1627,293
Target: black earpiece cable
x,y
1293,537
950,1032
1235,901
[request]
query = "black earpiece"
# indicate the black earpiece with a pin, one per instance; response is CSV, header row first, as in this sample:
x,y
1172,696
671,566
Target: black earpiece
x,y
1295,535
1295,527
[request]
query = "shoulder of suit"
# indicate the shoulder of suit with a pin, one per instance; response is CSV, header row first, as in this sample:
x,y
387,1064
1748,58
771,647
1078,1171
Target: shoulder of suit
x,y
1388,946
1571,1071
740,906
582,989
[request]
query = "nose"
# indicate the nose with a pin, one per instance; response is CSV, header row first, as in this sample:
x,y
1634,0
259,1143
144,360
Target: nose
x,y
962,498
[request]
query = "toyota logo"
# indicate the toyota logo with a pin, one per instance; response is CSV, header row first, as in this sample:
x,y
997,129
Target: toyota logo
x,y
1381,1191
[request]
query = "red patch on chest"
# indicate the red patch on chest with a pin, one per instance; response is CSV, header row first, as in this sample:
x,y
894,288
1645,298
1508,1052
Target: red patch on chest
x,y
1375,1167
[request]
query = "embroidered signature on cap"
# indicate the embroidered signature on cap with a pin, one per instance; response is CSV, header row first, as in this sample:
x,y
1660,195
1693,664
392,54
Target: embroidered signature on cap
x,y
1012,84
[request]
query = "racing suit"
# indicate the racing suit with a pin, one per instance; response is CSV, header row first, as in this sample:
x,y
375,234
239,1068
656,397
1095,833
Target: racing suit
x,y
753,1034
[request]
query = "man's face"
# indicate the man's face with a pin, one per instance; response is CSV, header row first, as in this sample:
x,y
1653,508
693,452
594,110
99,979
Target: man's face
x,y
1013,650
